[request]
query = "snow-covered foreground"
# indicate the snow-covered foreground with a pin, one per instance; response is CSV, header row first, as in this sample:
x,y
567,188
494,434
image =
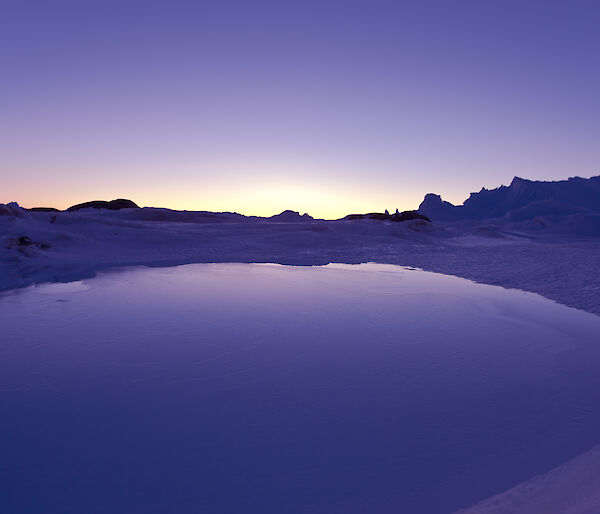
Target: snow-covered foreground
x,y
573,488
543,256
222,388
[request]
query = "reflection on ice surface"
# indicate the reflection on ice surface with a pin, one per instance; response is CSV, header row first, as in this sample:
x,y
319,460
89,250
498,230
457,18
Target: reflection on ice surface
x,y
221,388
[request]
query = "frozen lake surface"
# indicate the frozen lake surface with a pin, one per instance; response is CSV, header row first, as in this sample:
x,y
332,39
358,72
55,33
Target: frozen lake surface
x,y
241,388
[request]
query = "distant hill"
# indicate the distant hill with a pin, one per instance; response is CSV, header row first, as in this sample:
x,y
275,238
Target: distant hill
x,y
290,216
113,205
522,200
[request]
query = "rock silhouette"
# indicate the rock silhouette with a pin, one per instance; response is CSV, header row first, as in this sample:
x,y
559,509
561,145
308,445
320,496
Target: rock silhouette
x,y
397,216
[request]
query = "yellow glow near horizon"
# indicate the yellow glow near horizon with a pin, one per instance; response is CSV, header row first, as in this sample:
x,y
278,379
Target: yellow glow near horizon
x,y
267,201
260,201
261,190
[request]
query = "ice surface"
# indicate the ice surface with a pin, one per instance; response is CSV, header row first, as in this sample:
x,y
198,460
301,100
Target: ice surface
x,y
220,388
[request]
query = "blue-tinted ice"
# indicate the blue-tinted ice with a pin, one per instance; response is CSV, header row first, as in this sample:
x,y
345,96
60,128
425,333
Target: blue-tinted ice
x,y
238,388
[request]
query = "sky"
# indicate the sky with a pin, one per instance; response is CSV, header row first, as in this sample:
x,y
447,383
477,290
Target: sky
x,y
327,107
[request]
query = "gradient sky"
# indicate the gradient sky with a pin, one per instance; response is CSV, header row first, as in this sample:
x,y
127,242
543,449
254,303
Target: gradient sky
x,y
324,107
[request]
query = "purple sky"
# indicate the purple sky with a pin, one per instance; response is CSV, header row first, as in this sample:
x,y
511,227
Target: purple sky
x,y
325,107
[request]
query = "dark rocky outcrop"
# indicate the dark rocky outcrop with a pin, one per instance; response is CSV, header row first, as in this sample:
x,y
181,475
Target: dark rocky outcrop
x,y
522,199
409,215
113,205
43,209
397,216
24,242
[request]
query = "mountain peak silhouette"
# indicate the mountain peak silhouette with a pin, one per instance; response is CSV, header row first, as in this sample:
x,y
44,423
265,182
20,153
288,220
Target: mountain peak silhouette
x,y
530,198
